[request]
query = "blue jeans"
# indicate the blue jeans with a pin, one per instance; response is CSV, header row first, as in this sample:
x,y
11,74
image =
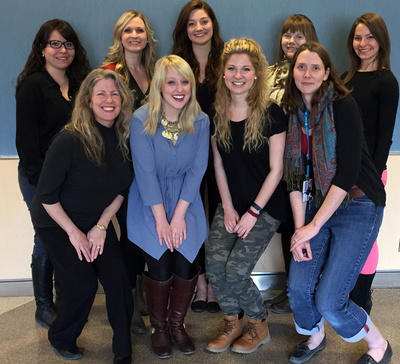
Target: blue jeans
x,y
319,289
28,191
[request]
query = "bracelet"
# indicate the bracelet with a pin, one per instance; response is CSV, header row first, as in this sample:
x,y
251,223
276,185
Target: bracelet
x,y
256,207
101,227
252,213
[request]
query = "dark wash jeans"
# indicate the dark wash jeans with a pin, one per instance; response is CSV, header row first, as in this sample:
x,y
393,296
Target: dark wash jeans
x,y
319,289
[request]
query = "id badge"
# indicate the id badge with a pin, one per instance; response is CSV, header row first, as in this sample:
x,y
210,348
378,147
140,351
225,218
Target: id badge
x,y
306,190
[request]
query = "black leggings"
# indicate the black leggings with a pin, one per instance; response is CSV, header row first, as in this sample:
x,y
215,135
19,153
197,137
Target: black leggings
x,y
170,263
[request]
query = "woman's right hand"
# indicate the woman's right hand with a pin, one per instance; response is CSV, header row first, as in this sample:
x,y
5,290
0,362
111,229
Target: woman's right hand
x,y
81,244
231,218
164,233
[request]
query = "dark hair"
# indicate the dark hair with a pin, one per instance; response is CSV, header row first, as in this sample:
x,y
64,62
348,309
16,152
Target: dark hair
x,y
79,67
297,23
377,27
183,46
292,98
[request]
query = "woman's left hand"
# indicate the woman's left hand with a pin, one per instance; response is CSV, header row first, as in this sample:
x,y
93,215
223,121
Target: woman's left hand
x,y
178,229
96,238
244,226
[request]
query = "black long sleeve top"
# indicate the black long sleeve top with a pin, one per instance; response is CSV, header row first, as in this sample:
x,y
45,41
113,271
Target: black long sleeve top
x,y
83,188
377,95
41,113
354,165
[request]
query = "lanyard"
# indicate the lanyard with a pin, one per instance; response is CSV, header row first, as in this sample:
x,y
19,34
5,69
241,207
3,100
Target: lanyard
x,y
308,144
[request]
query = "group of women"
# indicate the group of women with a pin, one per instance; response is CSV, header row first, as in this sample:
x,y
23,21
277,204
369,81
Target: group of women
x,y
296,120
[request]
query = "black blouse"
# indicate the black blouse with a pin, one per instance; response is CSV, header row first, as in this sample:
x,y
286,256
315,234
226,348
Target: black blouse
x,y
41,113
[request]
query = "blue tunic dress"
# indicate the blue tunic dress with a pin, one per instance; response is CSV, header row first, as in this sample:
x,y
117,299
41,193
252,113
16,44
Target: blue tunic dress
x,y
164,173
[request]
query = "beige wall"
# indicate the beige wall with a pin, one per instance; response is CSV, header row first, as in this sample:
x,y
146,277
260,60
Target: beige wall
x,y
16,229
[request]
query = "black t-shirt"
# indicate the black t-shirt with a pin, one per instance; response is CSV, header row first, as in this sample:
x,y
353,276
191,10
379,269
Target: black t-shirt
x,y
246,170
83,188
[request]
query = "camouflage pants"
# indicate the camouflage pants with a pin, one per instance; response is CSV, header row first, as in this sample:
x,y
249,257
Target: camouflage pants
x,y
230,261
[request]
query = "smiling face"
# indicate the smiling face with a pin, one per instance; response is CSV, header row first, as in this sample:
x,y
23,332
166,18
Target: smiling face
x,y
57,59
134,35
308,73
291,41
239,74
105,102
176,93
365,47
199,27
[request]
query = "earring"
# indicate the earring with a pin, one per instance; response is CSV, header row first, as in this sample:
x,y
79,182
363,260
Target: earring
x,y
223,76
255,77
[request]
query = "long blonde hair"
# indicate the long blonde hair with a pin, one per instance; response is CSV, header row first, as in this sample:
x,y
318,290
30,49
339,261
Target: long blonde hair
x,y
116,55
83,123
257,99
190,111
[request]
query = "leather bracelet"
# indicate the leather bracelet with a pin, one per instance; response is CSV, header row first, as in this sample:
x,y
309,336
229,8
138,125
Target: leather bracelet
x,y
252,213
256,207
101,227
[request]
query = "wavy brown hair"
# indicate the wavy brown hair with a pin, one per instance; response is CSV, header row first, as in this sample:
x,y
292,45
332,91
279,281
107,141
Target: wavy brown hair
x,y
378,29
83,123
292,98
297,23
183,46
190,111
257,99
116,51
79,67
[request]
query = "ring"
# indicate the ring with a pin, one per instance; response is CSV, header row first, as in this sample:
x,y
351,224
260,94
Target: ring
x,y
98,246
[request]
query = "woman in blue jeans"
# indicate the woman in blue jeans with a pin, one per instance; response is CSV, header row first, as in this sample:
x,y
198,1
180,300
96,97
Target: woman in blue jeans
x,y
337,201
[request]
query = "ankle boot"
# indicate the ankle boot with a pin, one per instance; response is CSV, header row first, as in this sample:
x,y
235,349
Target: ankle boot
x,y
138,326
255,335
231,330
157,304
140,299
42,280
181,295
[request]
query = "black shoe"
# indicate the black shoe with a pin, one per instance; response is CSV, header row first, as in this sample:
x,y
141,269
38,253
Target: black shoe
x,y
198,306
44,317
302,353
138,326
72,354
368,359
213,307
123,360
274,300
281,307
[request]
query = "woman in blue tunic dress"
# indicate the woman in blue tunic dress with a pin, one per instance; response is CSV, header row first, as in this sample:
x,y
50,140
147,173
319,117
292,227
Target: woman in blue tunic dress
x,y
166,219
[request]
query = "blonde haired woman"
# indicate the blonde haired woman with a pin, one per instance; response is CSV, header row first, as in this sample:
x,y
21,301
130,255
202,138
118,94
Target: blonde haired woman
x,y
166,219
248,147
83,182
133,53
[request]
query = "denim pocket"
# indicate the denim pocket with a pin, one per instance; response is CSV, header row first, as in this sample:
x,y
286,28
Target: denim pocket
x,y
362,200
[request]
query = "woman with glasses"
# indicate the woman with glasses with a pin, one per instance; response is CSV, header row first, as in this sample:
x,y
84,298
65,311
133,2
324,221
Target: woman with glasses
x,y
45,93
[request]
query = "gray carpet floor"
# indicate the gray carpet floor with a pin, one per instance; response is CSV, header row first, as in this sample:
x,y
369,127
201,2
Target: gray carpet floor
x,y
22,342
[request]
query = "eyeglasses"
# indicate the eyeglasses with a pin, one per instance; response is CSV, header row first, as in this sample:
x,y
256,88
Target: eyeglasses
x,y
56,44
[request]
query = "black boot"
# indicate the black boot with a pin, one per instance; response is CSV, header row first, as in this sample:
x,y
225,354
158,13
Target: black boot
x,y
138,326
42,279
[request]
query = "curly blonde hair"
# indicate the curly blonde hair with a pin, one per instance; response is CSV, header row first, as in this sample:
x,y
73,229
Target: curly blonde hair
x,y
257,98
190,111
83,123
116,55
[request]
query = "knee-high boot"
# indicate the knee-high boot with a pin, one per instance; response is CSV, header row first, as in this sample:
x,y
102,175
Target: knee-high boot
x,y
42,279
181,295
157,305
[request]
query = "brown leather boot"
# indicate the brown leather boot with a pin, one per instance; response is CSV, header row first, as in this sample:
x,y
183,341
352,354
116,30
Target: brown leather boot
x,y
255,335
231,330
157,305
181,295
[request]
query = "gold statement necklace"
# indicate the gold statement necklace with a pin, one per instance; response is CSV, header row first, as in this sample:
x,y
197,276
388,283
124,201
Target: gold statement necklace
x,y
171,129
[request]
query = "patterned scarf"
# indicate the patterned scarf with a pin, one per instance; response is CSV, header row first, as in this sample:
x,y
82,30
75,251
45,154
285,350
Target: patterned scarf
x,y
323,147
